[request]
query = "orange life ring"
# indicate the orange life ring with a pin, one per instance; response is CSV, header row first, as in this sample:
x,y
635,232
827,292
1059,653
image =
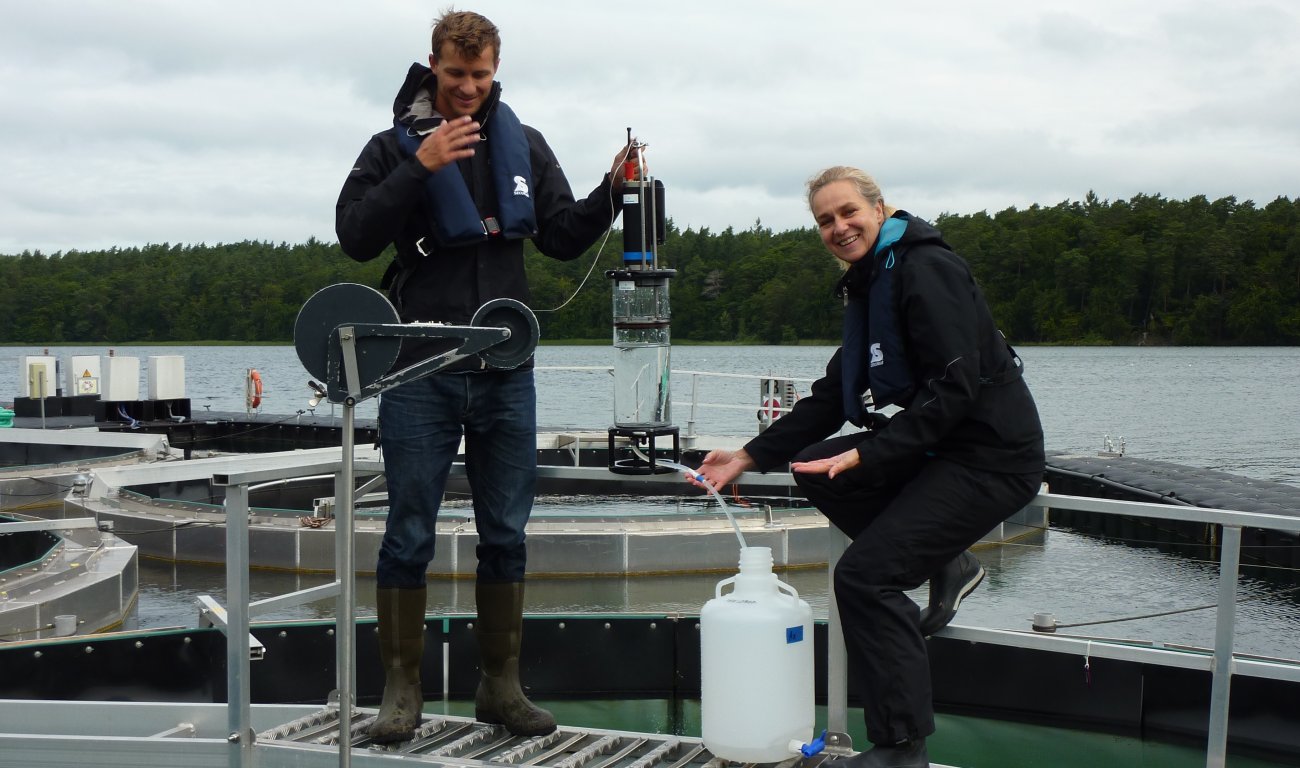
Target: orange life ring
x,y
253,390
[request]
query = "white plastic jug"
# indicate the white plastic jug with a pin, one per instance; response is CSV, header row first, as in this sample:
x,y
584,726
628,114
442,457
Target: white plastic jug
x,y
756,660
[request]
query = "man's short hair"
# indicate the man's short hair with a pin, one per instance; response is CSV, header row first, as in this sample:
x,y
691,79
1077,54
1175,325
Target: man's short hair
x,y
469,32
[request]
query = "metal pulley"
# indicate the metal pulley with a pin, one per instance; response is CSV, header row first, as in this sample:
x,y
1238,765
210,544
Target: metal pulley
x,y
345,304
524,332
349,335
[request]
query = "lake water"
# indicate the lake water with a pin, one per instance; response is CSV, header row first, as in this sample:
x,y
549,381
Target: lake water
x,y
1231,409
1235,409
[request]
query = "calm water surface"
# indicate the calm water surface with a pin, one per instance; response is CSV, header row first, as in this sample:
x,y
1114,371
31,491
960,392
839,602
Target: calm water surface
x,y
1232,409
1235,409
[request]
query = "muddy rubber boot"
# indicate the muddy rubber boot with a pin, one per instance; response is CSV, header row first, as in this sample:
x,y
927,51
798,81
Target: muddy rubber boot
x,y
499,699
948,588
401,646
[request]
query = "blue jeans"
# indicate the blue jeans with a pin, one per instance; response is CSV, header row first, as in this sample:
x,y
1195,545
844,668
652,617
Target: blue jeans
x,y
421,424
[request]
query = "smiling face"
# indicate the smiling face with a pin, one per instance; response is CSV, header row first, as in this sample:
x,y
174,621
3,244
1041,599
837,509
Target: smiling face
x,y
463,81
848,222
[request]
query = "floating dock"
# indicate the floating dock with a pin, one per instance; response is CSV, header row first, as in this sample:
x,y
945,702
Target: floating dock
x,y
1133,479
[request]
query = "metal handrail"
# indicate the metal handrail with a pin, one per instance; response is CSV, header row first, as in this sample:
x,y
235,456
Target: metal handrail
x,y
694,402
1221,663
57,524
236,620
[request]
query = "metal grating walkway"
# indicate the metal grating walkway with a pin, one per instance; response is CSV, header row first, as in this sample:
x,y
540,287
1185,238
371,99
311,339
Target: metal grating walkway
x,y
441,737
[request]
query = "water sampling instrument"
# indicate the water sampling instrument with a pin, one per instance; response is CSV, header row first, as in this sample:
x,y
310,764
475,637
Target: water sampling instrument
x,y
642,408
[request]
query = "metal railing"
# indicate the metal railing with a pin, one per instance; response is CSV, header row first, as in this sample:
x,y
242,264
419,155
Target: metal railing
x,y
1221,662
694,403
234,620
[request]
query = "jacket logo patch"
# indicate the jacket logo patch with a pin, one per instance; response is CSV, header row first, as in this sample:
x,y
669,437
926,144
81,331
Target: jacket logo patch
x,y
521,186
877,356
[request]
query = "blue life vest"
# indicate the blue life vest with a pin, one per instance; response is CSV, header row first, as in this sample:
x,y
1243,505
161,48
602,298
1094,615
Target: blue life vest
x,y
456,220
872,354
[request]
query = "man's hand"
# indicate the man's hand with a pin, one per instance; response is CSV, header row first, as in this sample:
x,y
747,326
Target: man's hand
x,y
629,153
453,140
830,466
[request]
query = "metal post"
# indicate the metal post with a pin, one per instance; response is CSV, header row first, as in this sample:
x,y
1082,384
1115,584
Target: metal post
x,y
642,209
695,403
1216,753
40,394
238,673
837,658
345,610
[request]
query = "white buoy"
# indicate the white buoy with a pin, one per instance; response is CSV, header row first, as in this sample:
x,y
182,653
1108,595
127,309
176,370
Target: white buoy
x,y
756,659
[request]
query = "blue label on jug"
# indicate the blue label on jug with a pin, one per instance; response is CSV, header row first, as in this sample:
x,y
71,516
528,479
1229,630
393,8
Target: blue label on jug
x,y
794,634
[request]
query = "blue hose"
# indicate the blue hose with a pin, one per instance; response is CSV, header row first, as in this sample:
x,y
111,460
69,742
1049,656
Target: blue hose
x,y
121,411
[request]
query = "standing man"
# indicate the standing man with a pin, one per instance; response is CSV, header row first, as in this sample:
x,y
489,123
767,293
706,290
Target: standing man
x,y
455,185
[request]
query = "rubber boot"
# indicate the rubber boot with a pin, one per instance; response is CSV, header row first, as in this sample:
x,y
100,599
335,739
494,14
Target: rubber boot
x,y
500,628
948,588
401,647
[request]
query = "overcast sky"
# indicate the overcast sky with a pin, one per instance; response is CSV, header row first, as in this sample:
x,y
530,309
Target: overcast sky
x,y
141,121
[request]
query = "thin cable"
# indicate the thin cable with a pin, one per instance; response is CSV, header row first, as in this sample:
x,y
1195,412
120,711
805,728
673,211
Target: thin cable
x,y
176,527
1137,618
44,495
197,440
601,249
40,503
41,628
1177,610
586,277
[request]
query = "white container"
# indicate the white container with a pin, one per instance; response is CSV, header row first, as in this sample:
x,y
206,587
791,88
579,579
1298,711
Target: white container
x,y
65,625
166,377
121,379
84,375
756,663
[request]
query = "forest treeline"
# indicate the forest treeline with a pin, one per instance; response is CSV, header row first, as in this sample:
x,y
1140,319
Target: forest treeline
x,y
1145,270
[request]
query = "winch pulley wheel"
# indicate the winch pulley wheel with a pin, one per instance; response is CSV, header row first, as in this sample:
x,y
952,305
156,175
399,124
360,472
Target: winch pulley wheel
x,y
351,325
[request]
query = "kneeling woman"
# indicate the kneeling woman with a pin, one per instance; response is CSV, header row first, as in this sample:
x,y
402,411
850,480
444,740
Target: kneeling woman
x,y
914,491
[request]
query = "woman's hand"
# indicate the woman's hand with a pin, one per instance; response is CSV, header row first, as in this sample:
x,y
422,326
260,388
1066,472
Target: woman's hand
x,y
831,466
719,468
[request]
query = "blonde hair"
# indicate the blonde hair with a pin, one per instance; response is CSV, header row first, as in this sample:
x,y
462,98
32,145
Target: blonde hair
x,y
469,32
861,180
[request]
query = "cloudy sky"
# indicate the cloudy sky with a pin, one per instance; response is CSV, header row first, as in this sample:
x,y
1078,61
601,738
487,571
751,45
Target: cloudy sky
x,y
135,121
